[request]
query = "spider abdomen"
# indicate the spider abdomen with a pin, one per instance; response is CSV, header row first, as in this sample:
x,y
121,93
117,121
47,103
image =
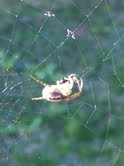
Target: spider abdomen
x,y
52,92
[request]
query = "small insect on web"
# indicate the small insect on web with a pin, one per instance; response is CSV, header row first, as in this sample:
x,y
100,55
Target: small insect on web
x,y
62,90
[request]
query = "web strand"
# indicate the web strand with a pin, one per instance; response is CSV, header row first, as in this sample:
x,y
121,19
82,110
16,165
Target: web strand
x,y
50,40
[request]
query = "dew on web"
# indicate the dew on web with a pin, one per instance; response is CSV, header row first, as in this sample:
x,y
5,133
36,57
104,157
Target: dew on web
x,y
50,40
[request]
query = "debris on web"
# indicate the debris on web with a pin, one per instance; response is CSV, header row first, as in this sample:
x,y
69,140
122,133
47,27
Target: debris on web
x,y
49,14
70,34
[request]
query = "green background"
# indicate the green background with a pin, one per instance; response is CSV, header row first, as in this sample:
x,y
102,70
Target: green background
x,y
83,132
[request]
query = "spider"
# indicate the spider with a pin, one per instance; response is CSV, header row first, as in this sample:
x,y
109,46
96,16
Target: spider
x,y
62,90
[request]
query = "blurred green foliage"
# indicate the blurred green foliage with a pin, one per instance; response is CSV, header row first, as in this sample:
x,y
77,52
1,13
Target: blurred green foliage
x,y
61,134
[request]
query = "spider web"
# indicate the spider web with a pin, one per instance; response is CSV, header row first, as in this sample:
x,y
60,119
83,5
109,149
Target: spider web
x,y
50,40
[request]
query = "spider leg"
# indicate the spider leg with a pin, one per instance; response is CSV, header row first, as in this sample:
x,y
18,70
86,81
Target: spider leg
x,y
73,96
38,98
71,81
42,98
38,81
80,84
